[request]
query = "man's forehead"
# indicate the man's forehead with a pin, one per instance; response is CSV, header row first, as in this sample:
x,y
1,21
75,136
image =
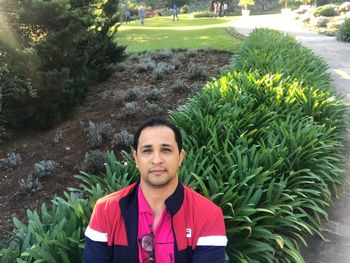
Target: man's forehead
x,y
157,135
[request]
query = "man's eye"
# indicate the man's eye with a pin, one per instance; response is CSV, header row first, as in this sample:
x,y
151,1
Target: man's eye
x,y
166,150
146,151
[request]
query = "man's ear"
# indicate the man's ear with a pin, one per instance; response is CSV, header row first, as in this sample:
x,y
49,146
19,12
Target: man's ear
x,y
182,156
135,157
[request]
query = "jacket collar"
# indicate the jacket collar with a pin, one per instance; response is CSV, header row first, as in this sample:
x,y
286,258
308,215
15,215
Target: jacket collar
x,y
174,202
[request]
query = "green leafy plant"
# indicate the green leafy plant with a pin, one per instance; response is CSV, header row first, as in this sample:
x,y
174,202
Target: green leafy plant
x,y
326,10
343,33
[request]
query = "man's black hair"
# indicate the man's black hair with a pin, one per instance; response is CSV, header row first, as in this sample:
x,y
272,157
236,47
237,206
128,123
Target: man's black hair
x,y
154,122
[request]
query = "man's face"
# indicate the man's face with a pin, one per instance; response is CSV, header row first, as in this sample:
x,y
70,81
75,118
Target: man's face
x,y
157,157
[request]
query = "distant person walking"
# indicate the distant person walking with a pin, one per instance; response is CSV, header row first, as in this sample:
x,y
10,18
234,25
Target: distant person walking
x,y
142,15
127,16
175,12
224,9
216,8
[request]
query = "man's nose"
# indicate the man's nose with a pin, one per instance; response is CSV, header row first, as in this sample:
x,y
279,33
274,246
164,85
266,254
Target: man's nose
x,y
157,157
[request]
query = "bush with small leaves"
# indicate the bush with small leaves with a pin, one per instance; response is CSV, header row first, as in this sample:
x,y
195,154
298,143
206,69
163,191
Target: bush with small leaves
x,y
124,138
146,64
95,161
320,21
12,161
161,54
131,108
326,10
30,185
58,136
191,52
44,168
134,57
132,94
343,33
154,94
161,69
344,7
196,71
152,109
96,133
178,86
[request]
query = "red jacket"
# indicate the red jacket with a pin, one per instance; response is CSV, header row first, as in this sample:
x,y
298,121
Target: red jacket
x,y
198,226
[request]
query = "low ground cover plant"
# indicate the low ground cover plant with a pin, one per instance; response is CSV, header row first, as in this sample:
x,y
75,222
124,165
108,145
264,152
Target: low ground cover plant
x,y
264,142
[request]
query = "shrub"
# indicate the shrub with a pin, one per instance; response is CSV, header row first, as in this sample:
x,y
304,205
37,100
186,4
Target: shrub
x,y
178,86
12,161
320,21
131,109
154,94
134,57
96,133
252,140
44,168
178,60
191,52
326,10
124,138
95,161
30,185
161,69
311,70
185,9
132,94
196,71
344,7
146,64
152,109
161,54
343,33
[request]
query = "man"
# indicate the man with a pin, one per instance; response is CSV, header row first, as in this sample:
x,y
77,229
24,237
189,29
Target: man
x,y
157,219
225,6
175,13
127,16
142,15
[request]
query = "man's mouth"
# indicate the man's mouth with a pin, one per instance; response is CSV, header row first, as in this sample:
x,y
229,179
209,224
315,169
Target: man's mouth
x,y
157,171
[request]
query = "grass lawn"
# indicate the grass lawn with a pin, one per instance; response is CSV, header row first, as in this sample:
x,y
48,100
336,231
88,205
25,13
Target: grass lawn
x,y
162,32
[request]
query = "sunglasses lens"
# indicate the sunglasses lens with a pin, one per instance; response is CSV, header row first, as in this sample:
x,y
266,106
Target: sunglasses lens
x,y
147,244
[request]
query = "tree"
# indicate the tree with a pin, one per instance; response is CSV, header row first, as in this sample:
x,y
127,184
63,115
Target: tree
x,y
246,3
71,44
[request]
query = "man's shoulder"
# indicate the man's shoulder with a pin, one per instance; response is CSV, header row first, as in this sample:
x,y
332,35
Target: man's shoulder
x,y
116,196
200,200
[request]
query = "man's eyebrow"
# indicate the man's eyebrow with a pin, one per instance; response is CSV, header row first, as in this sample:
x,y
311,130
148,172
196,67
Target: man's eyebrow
x,y
166,145
147,146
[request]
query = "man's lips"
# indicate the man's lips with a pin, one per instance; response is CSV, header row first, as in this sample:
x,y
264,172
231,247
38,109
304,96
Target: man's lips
x,y
157,171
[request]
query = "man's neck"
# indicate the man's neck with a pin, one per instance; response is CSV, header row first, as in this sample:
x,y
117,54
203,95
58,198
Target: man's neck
x,y
155,196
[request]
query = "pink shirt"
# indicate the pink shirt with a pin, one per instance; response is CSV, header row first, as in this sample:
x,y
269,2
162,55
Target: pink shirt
x,y
163,233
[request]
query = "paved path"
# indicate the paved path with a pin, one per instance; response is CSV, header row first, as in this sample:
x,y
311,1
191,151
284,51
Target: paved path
x,y
337,56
